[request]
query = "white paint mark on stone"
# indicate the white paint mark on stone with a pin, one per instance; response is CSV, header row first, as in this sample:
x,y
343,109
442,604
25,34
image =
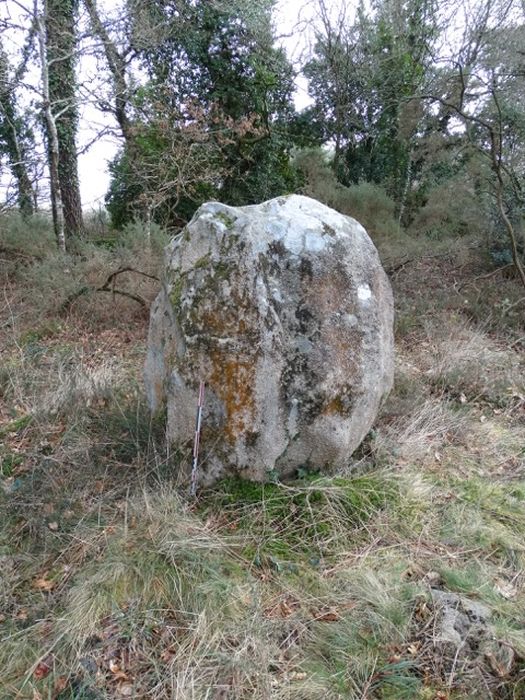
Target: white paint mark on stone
x,y
364,292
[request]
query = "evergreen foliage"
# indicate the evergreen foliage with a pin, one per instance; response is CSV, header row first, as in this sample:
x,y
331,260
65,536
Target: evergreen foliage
x,y
364,78
419,108
214,75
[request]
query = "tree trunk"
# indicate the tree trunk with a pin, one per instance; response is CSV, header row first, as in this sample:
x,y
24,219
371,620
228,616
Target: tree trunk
x,y
10,127
406,187
53,144
117,67
60,56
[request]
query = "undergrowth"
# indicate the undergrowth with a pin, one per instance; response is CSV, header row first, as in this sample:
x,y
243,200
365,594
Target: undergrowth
x,y
114,583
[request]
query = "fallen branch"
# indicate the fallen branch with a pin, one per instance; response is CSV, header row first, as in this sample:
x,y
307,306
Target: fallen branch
x,y
391,270
485,276
397,267
127,269
86,290
109,286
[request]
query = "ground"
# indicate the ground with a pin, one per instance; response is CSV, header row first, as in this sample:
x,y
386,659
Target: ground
x,y
400,578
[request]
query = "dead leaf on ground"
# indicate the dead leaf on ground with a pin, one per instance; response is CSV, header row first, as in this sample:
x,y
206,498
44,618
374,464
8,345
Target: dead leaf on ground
x,y
167,655
114,666
61,684
505,589
116,669
327,615
283,608
41,671
44,584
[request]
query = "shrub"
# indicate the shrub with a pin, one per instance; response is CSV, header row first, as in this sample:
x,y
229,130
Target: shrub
x,y
366,201
452,209
32,238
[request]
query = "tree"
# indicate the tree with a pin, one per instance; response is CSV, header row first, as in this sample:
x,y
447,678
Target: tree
x,y
117,61
482,89
219,56
53,144
176,162
60,38
15,137
362,76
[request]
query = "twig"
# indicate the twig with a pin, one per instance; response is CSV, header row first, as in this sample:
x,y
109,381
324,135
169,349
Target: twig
x,y
511,306
86,290
485,276
108,286
128,269
516,342
418,258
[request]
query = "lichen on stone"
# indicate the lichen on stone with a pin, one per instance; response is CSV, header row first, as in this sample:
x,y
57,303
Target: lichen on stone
x,y
175,293
225,218
264,301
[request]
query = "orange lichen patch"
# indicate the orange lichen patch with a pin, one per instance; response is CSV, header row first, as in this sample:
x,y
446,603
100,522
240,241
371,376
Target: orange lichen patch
x,y
340,405
222,324
334,407
233,381
158,390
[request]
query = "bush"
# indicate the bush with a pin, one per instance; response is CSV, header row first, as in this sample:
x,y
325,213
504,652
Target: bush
x,y
367,202
52,280
31,238
452,208
136,236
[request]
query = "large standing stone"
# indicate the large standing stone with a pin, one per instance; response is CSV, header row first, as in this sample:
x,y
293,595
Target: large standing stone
x,y
285,312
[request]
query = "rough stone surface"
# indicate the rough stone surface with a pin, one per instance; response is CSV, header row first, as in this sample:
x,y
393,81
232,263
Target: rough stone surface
x,y
285,312
459,617
463,633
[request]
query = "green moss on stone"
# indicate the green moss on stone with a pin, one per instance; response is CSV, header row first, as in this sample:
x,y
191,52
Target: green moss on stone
x,y
221,271
226,219
202,262
176,292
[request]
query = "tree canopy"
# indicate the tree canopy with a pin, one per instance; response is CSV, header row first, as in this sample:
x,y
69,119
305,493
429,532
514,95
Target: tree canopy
x,y
416,97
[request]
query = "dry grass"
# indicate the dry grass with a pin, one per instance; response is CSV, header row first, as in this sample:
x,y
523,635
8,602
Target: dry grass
x,y
114,585
468,363
429,427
